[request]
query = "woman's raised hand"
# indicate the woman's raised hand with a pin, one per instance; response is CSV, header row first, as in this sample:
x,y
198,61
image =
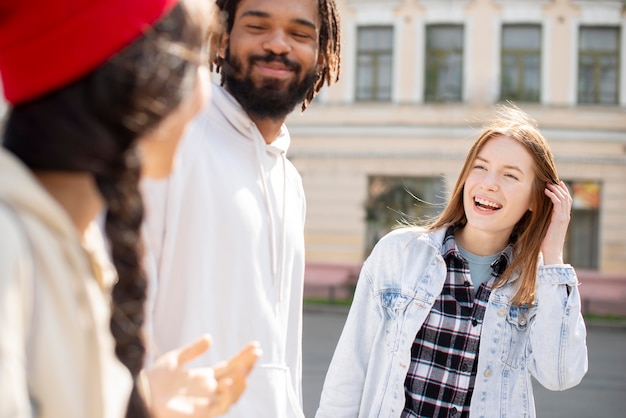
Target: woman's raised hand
x,y
552,245
172,391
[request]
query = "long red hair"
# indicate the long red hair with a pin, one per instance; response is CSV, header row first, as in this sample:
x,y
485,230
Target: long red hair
x,y
531,229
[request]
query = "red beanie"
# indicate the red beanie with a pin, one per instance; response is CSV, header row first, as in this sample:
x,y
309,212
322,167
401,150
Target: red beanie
x,y
47,44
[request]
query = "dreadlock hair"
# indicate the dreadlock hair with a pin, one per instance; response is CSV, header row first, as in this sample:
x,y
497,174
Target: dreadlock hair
x,y
93,125
531,229
329,43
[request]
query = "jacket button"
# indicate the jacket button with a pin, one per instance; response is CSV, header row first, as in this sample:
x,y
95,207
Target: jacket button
x,y
488,373
501,311
522,320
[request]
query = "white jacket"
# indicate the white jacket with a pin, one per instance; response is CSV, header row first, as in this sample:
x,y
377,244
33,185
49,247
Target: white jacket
x,y
397,287
56,350
225,236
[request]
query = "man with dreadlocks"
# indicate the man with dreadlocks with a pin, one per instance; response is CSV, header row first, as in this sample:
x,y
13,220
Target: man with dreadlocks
x,y
226,231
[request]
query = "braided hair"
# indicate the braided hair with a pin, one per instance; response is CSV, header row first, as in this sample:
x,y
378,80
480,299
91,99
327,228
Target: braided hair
x,y
329,43
92,126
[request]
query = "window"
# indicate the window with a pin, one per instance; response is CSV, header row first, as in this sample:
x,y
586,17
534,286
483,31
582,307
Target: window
x,y
392,200
598,65
444,63
581,245
374,63
521,63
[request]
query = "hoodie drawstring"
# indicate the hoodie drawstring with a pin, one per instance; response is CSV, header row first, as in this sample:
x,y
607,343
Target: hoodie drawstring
x,y
277,259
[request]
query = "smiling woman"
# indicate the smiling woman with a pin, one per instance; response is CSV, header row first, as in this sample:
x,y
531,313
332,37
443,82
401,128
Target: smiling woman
x,y
521,159
496,194
487,273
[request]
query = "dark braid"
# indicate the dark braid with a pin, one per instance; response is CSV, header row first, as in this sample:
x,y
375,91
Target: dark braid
x,y
122,226
329,43
92,126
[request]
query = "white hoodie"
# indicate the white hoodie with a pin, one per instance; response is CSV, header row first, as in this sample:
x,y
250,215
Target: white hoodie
x,y
225,240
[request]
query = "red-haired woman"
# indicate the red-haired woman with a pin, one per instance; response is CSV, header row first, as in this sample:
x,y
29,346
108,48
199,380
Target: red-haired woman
x,y
453,319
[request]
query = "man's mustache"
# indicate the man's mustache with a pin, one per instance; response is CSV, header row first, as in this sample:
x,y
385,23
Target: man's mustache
x,y
291,65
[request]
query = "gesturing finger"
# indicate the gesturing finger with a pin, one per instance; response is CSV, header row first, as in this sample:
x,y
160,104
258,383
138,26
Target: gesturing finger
x,y
192,350
244,360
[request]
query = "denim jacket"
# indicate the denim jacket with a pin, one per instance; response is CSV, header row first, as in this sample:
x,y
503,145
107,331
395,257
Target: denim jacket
x,y
397,287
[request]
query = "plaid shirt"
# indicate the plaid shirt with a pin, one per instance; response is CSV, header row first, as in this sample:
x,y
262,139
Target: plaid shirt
x,y
444,356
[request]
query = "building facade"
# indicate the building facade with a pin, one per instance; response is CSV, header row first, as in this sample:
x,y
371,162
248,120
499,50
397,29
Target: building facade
x,y
418,79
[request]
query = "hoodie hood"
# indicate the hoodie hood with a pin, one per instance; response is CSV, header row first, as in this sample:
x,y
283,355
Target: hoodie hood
x,y
236,116
266,155
20,189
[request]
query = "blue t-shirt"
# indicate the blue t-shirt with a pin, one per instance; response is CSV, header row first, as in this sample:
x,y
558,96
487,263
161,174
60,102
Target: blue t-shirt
x,y
479,265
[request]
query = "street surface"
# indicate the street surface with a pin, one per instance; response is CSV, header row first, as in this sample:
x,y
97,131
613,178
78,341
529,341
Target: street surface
x,y
602,392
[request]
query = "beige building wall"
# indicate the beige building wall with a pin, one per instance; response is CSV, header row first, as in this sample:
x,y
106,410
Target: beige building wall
x,y
338,142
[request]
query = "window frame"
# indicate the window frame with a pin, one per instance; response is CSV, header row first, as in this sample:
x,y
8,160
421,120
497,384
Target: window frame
x,y
521,94
596,91
582,243
435,58
375,93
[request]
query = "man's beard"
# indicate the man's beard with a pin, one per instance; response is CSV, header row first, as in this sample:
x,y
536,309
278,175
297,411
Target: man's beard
x,y
272,99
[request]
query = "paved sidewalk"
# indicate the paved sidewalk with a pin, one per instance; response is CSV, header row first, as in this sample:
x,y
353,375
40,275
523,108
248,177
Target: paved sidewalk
x,y
602,393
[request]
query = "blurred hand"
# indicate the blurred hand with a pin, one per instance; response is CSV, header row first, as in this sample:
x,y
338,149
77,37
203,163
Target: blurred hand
x,y
552,245
232,376
176,392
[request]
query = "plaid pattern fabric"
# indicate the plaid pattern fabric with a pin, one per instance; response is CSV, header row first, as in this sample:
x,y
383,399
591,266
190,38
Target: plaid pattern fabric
x,y
444,356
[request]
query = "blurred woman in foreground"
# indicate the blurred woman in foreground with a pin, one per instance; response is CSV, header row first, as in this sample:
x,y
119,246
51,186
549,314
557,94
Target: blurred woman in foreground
x,y
88,81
